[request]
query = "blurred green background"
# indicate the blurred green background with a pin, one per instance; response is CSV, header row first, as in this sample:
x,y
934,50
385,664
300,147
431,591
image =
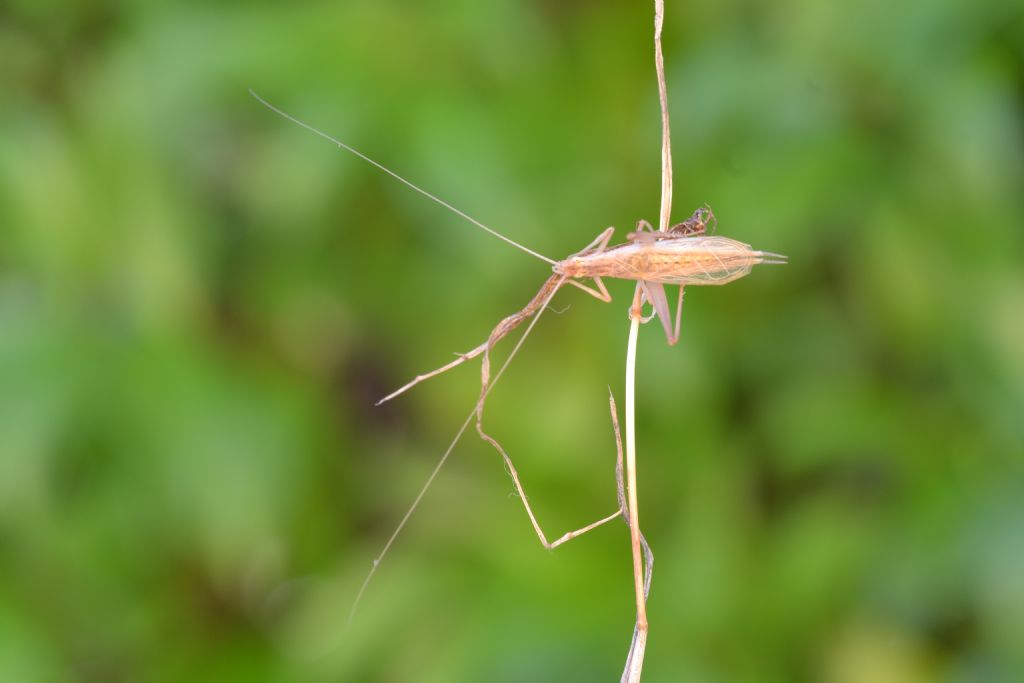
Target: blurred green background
x,y
199,303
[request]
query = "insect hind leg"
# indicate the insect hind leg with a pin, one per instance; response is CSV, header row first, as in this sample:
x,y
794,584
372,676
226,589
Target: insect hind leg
x,y
620,490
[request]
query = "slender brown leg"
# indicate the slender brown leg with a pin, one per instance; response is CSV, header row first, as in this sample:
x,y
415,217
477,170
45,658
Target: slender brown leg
x,y
601,293
568,536
485,379
462,358
538,304
599,244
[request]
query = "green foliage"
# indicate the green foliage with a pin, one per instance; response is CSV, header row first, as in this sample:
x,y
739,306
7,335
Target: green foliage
x,y
199,303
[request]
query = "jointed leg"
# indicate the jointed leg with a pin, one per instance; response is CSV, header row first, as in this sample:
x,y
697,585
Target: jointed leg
x,y
599,244
601,293
568,536
508,324
463,357
514,320
485,379
655,293
458,435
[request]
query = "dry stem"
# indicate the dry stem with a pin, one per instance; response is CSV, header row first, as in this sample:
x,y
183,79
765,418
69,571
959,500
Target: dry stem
x,y
635,660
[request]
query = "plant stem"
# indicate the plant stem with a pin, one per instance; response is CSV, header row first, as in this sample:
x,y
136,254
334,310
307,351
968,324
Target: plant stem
x,y
635,660
636,655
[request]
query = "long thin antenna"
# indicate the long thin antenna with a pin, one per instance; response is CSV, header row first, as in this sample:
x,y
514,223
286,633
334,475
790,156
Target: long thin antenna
x,y
391,173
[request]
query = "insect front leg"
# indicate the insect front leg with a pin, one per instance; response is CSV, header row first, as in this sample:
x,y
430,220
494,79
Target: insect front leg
x,y
462,358
595,247
601,293
508,324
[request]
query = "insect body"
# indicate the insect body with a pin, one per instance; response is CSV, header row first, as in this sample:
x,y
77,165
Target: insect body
x,y
702,260
682,255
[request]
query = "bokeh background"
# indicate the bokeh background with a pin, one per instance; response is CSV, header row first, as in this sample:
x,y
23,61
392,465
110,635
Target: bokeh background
x,y
199,303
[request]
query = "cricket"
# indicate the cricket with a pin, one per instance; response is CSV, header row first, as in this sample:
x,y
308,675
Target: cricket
x,y
681,254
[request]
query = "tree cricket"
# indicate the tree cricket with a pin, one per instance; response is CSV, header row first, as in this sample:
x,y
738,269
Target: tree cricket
x,y
682,255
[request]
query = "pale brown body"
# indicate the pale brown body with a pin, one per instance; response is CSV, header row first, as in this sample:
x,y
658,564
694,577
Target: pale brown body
x,y
700,260
682,255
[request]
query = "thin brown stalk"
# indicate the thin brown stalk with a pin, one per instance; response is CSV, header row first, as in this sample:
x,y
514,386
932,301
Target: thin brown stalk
x,y
640,551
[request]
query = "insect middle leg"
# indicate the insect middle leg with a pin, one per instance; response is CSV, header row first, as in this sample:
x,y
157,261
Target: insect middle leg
x,y
654,292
